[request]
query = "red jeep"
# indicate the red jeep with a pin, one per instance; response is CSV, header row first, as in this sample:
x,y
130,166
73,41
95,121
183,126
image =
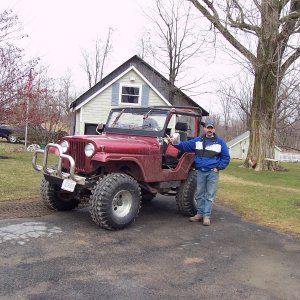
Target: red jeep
x,y
129,161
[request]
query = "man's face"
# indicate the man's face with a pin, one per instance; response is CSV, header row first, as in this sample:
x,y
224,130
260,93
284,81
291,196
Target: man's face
x,y
209,131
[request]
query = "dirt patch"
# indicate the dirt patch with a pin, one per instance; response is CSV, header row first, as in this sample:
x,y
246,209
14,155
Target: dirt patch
x,y
25,209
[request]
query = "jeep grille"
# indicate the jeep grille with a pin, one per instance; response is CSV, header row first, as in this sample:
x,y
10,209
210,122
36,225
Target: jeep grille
x,y
76,150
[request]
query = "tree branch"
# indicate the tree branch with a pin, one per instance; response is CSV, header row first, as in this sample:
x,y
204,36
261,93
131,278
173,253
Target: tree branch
x,y
214,19
241,24
290,60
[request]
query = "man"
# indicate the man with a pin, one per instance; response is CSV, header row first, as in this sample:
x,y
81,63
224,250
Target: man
x,y
211,156
150,124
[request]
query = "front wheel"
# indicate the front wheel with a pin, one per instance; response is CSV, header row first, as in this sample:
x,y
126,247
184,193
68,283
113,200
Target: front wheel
x,y
115,201
12,138
56,198
185,197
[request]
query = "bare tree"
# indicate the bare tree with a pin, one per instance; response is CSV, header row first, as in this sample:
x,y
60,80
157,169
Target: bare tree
x,y
64,98
176,41
14,70
265,33
94,60
288,125
226,112
237,95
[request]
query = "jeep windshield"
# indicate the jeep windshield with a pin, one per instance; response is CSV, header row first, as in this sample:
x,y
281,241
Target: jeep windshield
x,y
149,122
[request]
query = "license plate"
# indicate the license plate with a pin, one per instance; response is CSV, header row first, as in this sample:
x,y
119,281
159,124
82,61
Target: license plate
x,y
68,185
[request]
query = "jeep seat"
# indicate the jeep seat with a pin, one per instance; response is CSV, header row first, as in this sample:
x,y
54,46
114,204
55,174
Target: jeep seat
x,y
182,128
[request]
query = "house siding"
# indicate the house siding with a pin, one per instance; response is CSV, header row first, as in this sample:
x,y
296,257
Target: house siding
x,y
97,109
237,150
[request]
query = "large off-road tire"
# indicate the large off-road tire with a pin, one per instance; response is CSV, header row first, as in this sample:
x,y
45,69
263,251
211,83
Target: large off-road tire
x,y
185,197
56,198
115,201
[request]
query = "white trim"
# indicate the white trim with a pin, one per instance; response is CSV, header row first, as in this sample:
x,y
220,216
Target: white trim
x,y
80,115
139,96
117,78
152,87
239,141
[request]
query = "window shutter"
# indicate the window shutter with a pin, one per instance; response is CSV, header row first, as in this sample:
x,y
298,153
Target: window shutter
x,y
115,94
145,95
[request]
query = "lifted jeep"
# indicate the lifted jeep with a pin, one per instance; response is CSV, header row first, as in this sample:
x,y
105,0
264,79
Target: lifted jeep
x,y
129,161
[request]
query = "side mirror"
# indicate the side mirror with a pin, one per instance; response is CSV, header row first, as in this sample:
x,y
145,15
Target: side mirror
x,y
100,128
176,138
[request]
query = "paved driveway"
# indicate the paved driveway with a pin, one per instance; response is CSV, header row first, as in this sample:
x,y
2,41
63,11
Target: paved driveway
x,y
161,256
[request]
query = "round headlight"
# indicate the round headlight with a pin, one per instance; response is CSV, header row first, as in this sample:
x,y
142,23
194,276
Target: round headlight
x,y
65,146
89,149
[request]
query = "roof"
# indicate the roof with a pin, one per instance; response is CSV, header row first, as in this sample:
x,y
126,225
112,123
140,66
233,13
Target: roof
x,y
241,138
238,139
156,80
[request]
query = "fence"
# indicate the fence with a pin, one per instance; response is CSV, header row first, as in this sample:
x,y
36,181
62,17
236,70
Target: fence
x,y
289,157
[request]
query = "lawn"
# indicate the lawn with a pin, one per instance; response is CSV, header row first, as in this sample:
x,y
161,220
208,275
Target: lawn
x,y
266,198
18,180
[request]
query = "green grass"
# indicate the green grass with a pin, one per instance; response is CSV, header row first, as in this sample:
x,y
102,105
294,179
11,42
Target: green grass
x,y
17,177
267,198
18,180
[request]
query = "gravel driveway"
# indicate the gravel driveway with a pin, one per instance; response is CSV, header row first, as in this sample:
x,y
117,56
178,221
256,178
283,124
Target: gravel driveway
x,y
161,256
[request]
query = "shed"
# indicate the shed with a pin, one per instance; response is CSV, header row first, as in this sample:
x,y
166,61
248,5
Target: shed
x,y
238,147
134,83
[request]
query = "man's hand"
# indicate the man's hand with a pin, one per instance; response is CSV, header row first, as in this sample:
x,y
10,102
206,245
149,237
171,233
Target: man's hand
x,y
215,170
169,139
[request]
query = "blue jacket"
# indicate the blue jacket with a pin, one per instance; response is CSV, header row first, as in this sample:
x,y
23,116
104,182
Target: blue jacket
x,y
210,152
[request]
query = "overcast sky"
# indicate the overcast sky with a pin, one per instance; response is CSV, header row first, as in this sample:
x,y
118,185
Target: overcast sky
x,y
59,29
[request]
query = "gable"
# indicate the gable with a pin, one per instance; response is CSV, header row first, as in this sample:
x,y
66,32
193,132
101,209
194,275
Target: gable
x,y
238,139
129,77
153,78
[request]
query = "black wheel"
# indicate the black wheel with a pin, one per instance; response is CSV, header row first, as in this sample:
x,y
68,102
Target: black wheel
x,y
56,198
185,197
115,201
147,196
12,138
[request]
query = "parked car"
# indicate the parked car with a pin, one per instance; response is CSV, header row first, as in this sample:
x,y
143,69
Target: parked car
x,y
35,134
11,133
129,162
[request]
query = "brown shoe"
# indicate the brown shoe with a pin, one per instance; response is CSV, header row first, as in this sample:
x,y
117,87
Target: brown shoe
x,y
196,218
206,221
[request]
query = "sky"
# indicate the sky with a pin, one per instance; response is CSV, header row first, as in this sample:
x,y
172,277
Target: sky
x,y
59,29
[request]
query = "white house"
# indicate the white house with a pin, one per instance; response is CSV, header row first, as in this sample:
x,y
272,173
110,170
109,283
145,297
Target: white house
x,y
134,83
238,147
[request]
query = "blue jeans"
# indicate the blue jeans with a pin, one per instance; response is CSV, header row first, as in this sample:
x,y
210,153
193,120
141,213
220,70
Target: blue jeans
x,y
207,186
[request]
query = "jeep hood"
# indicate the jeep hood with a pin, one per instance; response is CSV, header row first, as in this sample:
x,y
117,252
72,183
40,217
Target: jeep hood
x,y
113,143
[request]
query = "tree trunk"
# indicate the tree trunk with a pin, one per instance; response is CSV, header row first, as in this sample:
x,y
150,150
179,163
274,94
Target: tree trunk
x,y
262,121
265,90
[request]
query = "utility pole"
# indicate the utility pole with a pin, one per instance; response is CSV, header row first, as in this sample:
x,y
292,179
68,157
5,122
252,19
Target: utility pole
x,y
28,96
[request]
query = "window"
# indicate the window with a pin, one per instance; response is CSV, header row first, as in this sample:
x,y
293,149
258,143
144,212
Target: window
x,y
130,94
90,128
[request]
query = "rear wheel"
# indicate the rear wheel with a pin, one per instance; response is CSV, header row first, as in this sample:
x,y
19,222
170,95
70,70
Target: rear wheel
x,y
185,197
56,198
115,201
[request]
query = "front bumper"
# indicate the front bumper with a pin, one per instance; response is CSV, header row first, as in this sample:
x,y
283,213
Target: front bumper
x,y
56,172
